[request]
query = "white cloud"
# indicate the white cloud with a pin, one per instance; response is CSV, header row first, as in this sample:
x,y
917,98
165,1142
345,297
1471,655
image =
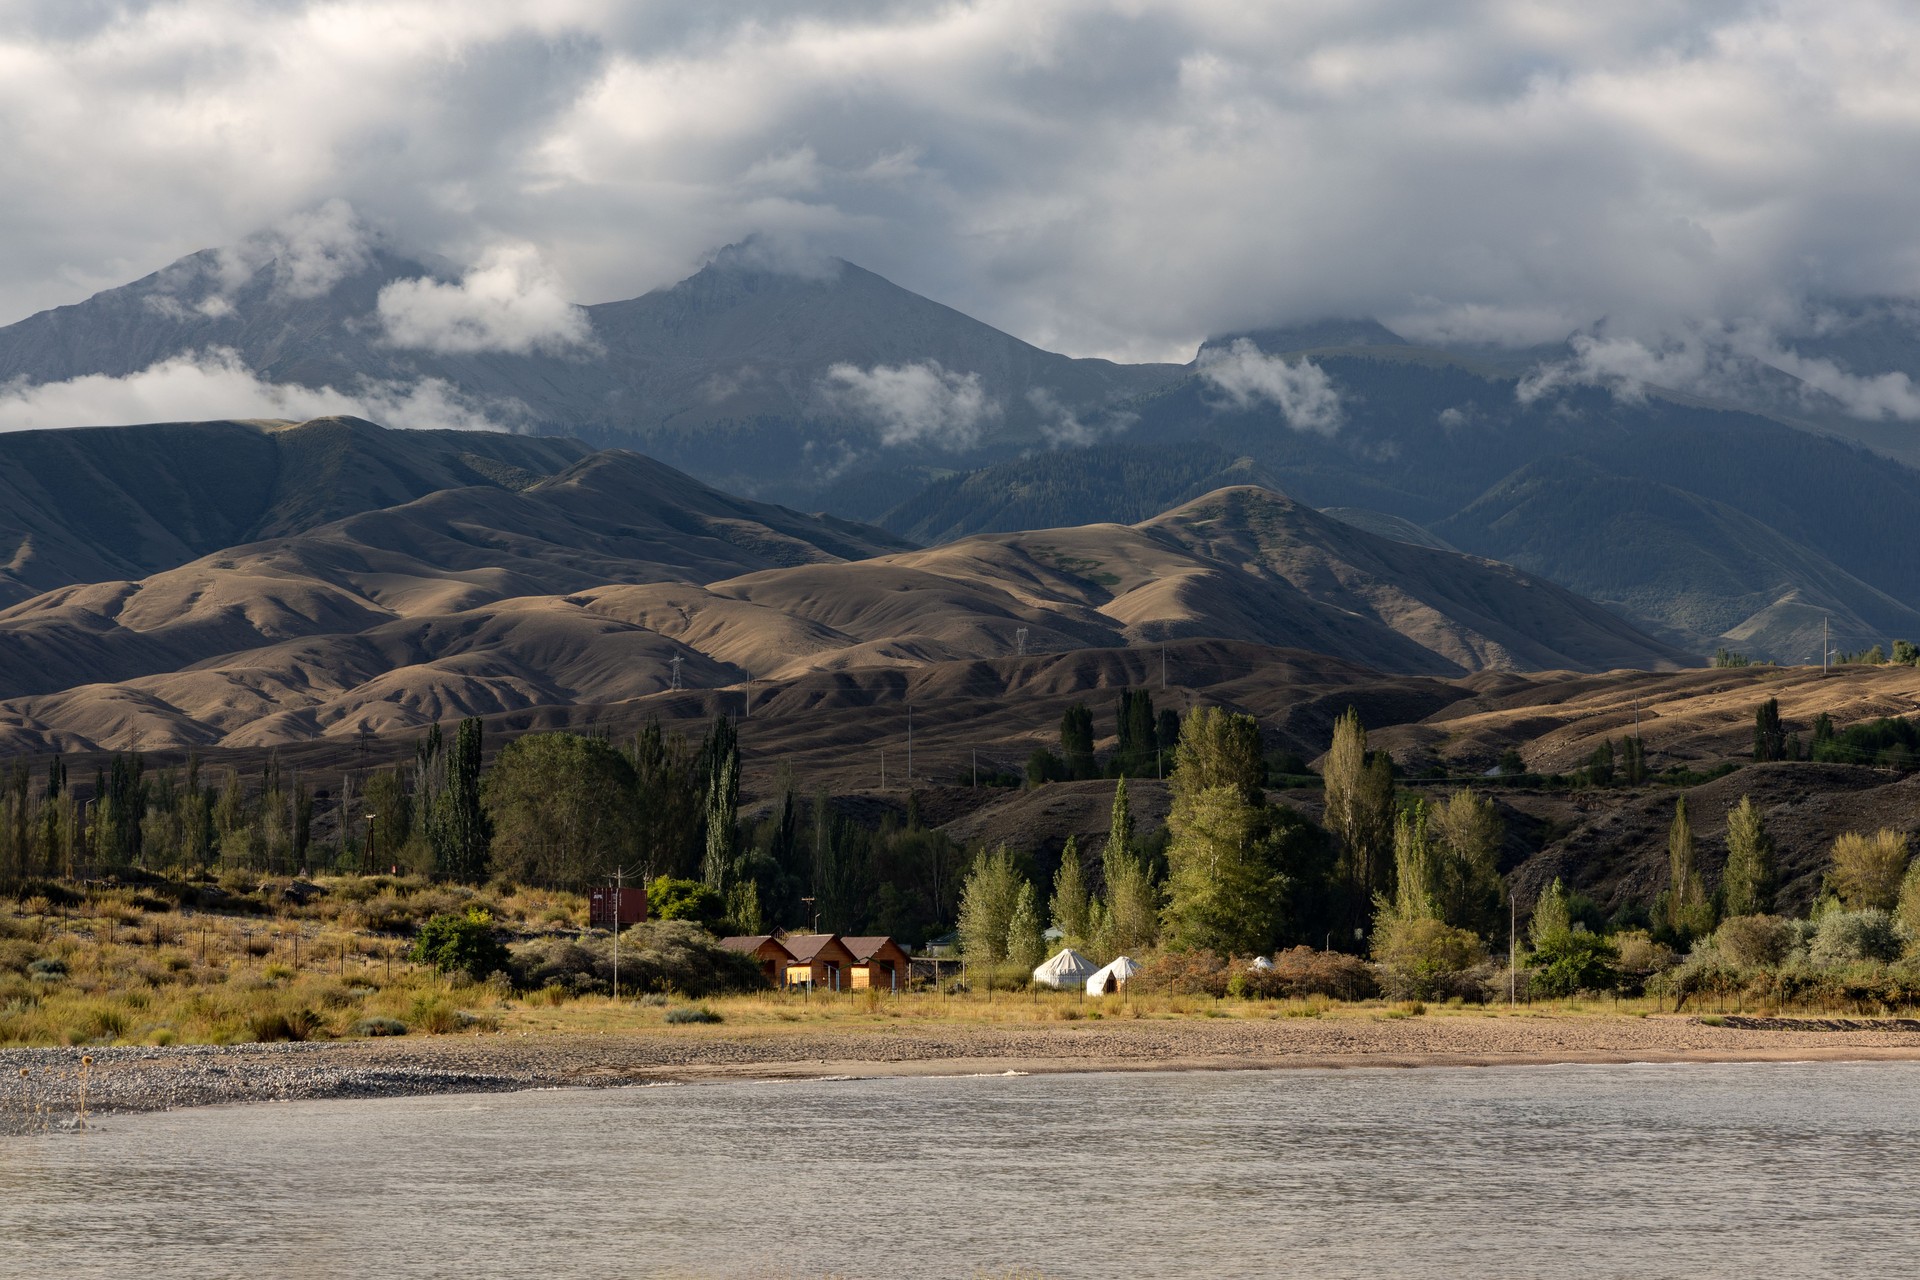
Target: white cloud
x,y
918,403
214,384
511,301
1301,389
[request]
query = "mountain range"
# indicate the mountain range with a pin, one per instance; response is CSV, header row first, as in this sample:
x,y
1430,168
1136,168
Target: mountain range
x,y
1739,519
596,577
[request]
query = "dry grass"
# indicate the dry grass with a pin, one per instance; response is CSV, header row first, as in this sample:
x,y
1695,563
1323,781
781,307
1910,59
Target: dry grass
x,y
111,971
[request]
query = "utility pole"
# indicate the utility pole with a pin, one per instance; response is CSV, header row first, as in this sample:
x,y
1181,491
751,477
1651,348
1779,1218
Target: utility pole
x,y
1163,666
1826,647
883,768
1020,643
909,746
619,883
1513,951
976,768
748,713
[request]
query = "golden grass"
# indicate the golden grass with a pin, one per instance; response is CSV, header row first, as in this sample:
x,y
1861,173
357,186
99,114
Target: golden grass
x,y
134,975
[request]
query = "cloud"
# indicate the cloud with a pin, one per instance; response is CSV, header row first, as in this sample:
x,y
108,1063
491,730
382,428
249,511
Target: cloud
x,y
918,403
1301,389
1118,178
509,302
214,384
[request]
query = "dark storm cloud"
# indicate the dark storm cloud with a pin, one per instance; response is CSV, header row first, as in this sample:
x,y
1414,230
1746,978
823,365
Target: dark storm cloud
x,y
1116,178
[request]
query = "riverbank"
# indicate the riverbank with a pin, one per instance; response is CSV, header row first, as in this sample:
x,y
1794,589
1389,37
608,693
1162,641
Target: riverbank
x,y
148,1078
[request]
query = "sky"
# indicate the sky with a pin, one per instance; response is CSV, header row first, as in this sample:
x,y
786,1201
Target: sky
x,y
1115,178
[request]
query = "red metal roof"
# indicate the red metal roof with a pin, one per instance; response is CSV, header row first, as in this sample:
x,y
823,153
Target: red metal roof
x,y
864,947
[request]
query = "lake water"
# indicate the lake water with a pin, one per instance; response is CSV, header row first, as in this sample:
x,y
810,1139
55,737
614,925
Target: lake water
x,y
1738,1170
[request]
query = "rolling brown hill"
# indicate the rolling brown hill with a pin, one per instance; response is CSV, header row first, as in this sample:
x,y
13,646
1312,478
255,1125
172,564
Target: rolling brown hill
x,y
583,587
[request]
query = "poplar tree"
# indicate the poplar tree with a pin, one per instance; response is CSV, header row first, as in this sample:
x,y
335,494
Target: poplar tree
x,y
1224,890
1747,884
1026,943
1688,911
720,759
1468,833
1076,742
987,903
1132,903
1359,807
1070,905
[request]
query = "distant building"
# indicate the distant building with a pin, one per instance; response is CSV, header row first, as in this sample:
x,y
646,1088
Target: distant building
x,y
819,960
766,951
879,963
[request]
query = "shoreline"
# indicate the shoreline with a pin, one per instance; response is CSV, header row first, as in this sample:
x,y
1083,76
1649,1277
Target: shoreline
x,y
133,1079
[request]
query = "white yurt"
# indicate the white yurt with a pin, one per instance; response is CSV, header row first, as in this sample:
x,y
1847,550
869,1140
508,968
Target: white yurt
x,y
1260,964
1065,971
1112,978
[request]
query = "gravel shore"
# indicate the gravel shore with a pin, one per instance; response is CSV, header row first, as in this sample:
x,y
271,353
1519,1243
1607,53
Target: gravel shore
x,y
130,1079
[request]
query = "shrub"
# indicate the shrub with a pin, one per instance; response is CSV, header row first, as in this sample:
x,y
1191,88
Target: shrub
x,y
454,943
299,1024
1184,973
1843,937
378,1027
687,1013
670,899
1755,942
660,955
434,1015
1302,972
48,968
1640,957
1424,959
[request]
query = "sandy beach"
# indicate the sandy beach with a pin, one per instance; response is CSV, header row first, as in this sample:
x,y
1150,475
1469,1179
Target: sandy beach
x,y
138,1078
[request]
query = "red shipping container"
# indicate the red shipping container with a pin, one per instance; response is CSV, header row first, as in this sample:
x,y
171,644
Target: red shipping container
x,y
600,907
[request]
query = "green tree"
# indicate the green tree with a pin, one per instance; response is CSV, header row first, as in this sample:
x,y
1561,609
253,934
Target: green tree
x,y
987,903
1223,894
1747,884
562,810
466,942
1071,905
1569,961
1359,808
669,898
672,798
720,767
1416,868
1076,742
1633,754
1119,828
1137,748
1769,734
1689,912
1550,914
1867,870
1469,832
461,831
1026,945
1600,765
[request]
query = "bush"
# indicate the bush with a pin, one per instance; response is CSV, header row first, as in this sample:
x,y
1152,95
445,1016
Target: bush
x,y
670,899
1843,937
48,968
298,1024
687,1013
1755,942
378,1027
1302,972
1184,973
1426,959
455,943
660,955
1568,961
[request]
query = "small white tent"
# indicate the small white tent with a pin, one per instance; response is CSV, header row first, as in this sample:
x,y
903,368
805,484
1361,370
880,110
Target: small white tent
x,y
1066,970
1112,978
1260,964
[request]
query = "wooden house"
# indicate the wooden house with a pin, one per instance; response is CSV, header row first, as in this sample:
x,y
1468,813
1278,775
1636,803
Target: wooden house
x,y
767,952
819,959
879,963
